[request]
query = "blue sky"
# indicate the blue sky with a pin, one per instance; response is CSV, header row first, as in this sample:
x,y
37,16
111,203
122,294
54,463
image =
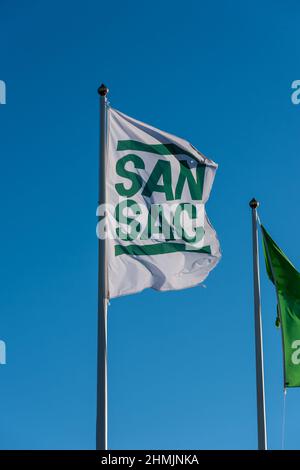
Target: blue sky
x,y
181,364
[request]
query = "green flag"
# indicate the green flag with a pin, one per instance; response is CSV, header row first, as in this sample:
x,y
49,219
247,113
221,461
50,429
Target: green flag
x,y
286,279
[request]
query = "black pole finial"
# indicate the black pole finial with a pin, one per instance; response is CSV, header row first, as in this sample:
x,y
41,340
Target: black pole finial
x,y
253,203
103,90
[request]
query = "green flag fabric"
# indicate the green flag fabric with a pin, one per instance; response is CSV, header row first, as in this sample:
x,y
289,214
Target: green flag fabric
x,y
286,279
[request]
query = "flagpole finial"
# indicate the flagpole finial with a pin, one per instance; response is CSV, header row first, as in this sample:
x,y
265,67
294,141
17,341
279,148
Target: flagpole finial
x,y
253,203
103,90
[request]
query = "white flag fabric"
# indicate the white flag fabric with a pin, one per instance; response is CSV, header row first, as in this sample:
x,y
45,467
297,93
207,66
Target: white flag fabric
x,y
157,187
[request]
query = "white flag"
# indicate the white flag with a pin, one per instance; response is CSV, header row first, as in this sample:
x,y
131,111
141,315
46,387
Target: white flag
x,y
158,233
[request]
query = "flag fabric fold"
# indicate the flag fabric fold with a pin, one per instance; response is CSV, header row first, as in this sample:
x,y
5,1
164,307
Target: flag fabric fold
x,y
286,279
157,187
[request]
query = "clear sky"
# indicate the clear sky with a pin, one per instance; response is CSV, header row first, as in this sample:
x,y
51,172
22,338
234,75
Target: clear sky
x,y
181,364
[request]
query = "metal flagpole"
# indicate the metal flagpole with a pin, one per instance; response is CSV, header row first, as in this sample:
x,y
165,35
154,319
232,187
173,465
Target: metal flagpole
x,y
260,391
101,425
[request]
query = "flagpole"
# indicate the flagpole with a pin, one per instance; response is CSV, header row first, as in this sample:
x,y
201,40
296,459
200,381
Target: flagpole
x,y
101,423
260,390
